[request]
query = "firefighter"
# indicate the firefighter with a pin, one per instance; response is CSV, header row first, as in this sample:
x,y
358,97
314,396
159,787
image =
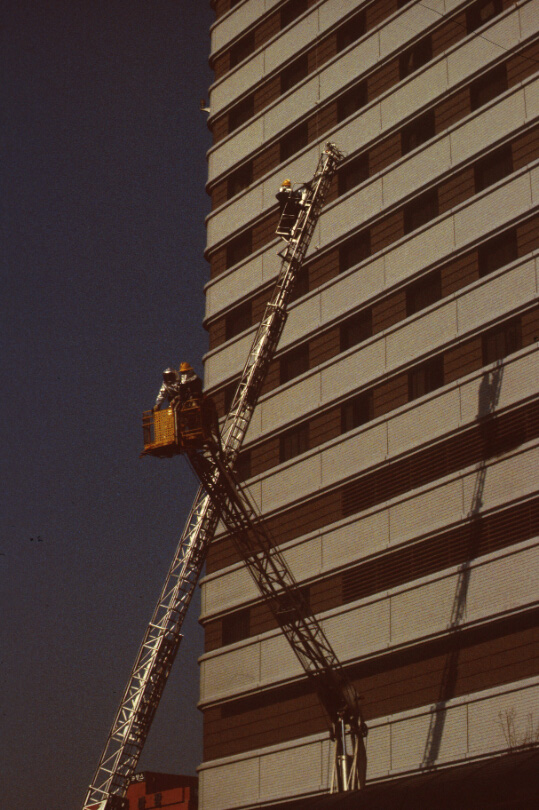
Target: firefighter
x,y
190,383
179,386
290,202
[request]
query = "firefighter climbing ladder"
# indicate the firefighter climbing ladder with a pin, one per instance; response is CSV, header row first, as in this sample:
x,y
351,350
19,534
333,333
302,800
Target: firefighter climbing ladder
x,y
161,641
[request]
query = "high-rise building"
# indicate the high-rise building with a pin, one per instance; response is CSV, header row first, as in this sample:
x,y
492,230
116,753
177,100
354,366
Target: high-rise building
x,y
393,450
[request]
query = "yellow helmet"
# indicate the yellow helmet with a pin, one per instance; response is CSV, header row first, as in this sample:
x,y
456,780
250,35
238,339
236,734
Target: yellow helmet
x,y
286,183
185,367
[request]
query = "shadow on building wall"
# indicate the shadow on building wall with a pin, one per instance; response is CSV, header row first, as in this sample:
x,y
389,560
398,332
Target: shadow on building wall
x,y
489,394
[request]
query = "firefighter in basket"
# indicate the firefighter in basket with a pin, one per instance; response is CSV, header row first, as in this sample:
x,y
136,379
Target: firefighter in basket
x,y
179,386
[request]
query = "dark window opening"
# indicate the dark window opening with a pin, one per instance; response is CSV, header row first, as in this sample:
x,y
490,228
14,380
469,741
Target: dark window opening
x,y
353,173
493,168
294,442
501,341
488,87
287,605
426,377
301,285
243,465
417,132
423,292
355,251
498,252
294,141
239,248
239,319
242,49
356,329
141,803
241,113
158,799
421,210
236,626
482,12
352,101
357,411
294,73
294,363
239,180
352,30
291,10
414,58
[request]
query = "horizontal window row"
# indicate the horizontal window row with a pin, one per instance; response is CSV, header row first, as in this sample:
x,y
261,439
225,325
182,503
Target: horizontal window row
x,y
348,32
449,32
420,380
468,660
494,253
412,215
460,544
248,42
455,189
484,440
421,129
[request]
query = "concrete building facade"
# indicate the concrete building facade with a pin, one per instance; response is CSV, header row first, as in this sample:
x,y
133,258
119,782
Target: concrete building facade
x,y
393,452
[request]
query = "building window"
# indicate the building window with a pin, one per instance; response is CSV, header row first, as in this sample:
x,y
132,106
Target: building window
x,y
501,341
498,252
241,113
236,626
239,248
480,13
423,292
158,799
355,251
240,179
294,442
287,606
292,9
141,803
414,58
417,132
353,173
239,319
351,31
242,49
426,377
351,101
294,73
301,285
294,141
489,86
493,168
357,411
294,363
243,465
421,210
356,329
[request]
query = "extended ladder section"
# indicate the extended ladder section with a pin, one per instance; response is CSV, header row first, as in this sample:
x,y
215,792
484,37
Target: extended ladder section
x,y
160,644
291,612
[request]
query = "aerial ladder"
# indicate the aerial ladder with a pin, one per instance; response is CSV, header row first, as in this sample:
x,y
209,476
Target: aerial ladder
x,y
165,434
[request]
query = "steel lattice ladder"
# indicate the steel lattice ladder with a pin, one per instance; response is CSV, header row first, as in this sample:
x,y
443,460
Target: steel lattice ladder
x,y
162,638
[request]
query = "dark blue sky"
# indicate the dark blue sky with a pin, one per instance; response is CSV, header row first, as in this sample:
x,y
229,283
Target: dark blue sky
x,y
103,206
